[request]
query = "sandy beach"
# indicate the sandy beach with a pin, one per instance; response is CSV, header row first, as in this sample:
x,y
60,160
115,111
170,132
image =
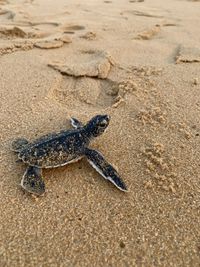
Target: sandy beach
x,y
137,61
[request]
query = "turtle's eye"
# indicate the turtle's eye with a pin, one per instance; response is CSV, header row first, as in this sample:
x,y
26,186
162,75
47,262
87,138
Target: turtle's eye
x,y
103,123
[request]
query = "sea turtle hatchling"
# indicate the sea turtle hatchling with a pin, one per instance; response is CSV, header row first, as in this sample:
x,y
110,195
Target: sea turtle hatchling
x,y
58,149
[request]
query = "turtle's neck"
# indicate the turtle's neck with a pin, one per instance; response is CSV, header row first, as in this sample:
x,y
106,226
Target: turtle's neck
x,y
86,131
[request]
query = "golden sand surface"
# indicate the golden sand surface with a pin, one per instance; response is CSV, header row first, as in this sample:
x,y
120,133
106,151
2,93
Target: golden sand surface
x,y
138,61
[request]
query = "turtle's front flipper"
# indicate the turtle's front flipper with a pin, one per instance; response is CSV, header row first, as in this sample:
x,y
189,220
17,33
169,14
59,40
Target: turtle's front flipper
x,y
76,123
104,168
19,144
32,181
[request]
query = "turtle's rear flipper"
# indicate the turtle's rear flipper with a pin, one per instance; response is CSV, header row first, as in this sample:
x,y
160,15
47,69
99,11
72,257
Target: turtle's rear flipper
x,y
104,168
76,123
19,144
32,181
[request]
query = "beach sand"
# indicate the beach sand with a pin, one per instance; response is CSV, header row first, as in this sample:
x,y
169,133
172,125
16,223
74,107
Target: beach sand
x,y
139,62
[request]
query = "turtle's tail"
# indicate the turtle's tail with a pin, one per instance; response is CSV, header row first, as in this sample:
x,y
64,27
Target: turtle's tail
x,y
18,144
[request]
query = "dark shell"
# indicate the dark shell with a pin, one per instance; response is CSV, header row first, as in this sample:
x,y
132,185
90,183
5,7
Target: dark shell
x,y
55,149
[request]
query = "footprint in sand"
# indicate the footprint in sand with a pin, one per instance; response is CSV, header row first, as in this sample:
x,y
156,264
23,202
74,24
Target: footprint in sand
x,y
30,31
36,30
27,29
84,93
79,89
21,32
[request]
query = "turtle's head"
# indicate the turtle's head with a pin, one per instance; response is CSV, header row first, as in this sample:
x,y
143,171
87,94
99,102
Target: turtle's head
x,y
97,125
